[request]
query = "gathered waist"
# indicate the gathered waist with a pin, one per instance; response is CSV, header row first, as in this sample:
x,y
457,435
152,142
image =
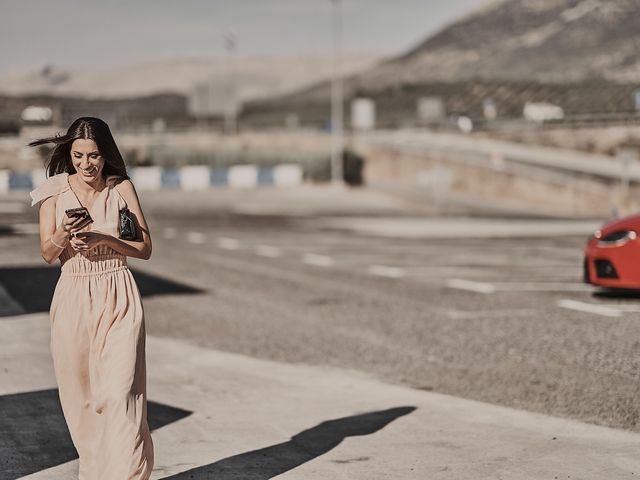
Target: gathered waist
x,y
95,264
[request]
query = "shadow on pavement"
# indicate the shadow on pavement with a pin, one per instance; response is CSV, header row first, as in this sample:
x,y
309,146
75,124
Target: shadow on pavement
x,y
30,289
617,293
274,460
35,435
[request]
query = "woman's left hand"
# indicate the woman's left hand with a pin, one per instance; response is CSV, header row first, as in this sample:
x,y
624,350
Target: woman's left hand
x,y
87,240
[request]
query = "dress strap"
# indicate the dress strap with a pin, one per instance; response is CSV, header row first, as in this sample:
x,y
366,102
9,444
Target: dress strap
x,y
111,182
53,185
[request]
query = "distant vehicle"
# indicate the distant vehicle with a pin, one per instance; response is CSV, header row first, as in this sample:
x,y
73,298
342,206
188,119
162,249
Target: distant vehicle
x,y
542,111
612,254
36,114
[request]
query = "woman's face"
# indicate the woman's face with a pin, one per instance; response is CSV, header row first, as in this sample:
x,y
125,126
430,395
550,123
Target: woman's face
x,y
87,159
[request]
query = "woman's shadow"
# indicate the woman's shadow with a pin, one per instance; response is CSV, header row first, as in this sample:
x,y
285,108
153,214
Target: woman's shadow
x,y
268,462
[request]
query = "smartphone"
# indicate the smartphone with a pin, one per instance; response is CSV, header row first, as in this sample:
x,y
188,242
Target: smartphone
x,y
80,212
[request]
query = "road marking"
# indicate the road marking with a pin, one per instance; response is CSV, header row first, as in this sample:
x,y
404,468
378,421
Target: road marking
x,y
627,308
12,207
317,260
169,233
386,271
468,285
228,243
542,287
196,237
605,310
26,228
486,287
267,251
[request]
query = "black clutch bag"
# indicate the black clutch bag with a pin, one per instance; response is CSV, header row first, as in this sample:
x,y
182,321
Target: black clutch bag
x,y
127,227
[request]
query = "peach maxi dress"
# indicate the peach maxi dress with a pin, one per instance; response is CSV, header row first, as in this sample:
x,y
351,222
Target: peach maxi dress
x,y
98,345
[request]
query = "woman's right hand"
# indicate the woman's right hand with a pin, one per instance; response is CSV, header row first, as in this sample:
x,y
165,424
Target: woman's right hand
x,y
69,224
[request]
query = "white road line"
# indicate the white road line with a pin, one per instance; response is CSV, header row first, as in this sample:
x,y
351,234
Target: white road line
x,y
196,237
486,287
542,287
627,308
228,243
605,310
386,271
267,251
12,207
169,233
317,260
26,228
478,287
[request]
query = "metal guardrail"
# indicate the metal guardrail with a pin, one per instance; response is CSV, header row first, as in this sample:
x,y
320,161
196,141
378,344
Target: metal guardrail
x,y
595,120
487,150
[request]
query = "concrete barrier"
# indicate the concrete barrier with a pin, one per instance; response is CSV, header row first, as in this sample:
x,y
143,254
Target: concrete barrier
x,y
191,177
4,181
194,177
243,176
287,175
38,176
147,178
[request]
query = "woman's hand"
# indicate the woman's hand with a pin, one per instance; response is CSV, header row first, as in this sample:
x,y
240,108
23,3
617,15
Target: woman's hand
x,y
69,224
84,241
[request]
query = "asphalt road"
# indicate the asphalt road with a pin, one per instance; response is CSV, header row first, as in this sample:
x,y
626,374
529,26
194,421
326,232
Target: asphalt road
x,y
274,275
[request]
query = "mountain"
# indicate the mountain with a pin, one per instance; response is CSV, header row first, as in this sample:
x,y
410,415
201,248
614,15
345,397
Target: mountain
x,y
521,40
583,55
254,77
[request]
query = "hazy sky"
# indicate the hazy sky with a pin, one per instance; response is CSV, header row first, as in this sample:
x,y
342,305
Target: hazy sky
x,y
86,33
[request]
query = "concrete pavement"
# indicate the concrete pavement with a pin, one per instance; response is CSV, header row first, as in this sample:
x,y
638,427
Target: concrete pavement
x,y
227,416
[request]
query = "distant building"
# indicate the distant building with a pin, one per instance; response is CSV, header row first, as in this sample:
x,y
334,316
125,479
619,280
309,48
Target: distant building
x,y
120,114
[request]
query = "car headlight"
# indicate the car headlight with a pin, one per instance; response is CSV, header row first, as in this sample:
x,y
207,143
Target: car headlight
x,y
619,237
594,236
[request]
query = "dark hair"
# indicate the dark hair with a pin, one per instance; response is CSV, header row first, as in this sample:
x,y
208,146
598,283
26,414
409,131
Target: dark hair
x,y
89,128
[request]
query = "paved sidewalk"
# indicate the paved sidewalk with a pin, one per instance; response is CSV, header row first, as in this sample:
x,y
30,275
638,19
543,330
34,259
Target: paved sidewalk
x,y
224,416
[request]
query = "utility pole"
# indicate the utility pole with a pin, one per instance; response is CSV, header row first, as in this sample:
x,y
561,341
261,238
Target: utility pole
x,y
230,120
337,95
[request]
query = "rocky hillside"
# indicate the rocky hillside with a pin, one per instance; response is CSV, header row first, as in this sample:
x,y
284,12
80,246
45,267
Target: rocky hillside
x,y
254,77
583,55
542,40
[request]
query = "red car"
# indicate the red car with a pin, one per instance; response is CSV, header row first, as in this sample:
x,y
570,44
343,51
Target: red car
x,y
612,254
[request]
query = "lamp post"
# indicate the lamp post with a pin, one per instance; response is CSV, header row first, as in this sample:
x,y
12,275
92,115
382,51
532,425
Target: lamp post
x,y
337,125
230,119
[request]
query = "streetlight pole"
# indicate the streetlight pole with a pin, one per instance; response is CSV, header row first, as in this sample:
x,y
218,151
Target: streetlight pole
x,y
337,95
230,119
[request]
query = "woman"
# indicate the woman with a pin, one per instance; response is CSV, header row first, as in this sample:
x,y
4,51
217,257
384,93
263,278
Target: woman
x,y
96,315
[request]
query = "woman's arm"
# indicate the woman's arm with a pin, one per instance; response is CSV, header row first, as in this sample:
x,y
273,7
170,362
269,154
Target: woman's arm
x,y
141,247
49,233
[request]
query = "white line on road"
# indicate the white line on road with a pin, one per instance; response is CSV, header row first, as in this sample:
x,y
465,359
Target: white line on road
x,y
486,287
169,233
542,287
478,287
12,207
386,271
604,310
267,251
26,228
627,308
196,237
228,243
317,260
